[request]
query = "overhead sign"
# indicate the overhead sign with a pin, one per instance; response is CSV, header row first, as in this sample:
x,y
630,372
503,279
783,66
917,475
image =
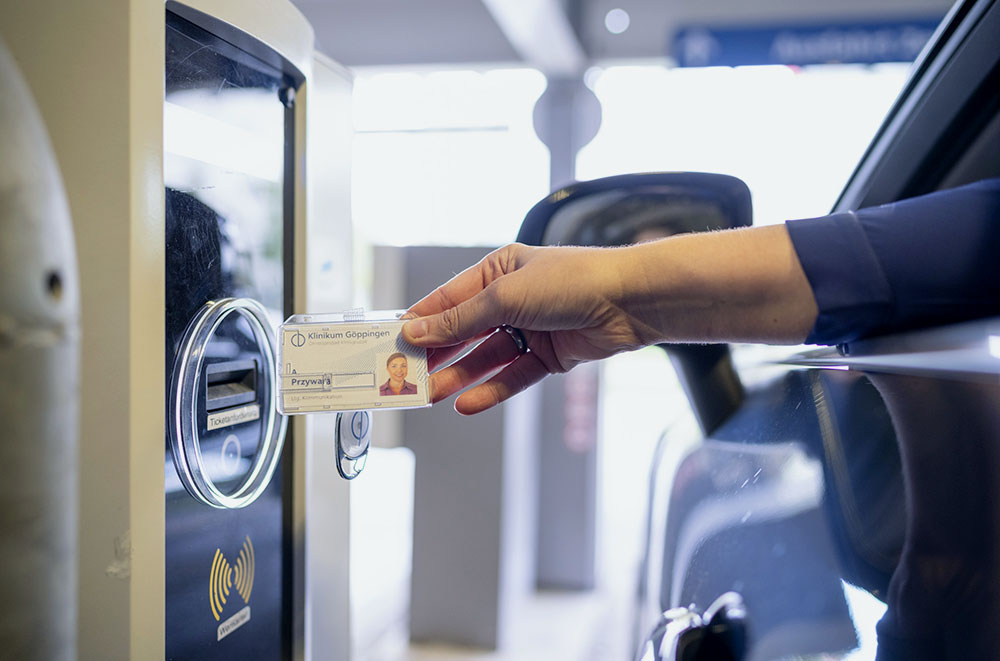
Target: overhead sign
x,y
863,43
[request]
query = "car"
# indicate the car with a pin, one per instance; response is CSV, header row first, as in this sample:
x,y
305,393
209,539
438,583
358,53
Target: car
x,y
843,502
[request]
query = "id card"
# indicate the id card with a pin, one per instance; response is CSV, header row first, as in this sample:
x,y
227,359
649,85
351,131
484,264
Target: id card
x,y
342,363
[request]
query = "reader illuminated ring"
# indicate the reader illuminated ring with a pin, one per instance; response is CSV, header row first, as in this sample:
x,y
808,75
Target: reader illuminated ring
x,y
186,387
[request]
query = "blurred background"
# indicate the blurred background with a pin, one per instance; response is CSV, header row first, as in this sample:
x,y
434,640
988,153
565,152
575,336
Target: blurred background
x,y
468,112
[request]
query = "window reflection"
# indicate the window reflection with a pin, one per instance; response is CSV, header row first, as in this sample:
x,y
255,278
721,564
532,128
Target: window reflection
x,y
225,149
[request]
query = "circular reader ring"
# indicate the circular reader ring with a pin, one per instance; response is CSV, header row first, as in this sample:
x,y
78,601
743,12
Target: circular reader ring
x,y
187,385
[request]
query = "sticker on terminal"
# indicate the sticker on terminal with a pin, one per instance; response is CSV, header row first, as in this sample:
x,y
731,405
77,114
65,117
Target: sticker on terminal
x,y
332,365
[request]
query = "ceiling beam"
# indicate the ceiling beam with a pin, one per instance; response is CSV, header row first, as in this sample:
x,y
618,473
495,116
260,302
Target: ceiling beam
x,y
541,33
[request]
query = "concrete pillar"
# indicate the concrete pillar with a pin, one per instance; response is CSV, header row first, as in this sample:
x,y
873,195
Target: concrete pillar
x,y
39,386
567,479
567,117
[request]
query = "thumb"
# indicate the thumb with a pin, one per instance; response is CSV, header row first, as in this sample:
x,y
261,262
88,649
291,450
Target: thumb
x,y
455,325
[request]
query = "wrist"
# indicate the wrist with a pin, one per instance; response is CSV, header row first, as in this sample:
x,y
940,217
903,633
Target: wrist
x,y
738,285
667,291
639,290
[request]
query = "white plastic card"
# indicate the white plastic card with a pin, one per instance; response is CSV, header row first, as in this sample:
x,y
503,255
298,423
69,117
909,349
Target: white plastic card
x,y
349,362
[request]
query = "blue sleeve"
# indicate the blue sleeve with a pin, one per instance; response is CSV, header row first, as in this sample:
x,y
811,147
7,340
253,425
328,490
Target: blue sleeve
x,y
924,261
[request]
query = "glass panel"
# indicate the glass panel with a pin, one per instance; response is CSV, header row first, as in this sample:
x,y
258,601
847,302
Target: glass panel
x,y
792,134
446,158
224,172
224,161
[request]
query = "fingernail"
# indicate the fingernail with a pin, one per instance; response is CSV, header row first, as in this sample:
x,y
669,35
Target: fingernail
x,y
416,329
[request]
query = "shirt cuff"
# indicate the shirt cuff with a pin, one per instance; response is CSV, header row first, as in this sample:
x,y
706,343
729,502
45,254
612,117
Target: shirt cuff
x,y
851,291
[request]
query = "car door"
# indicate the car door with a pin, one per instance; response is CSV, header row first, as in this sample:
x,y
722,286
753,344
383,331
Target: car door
x,y
849,506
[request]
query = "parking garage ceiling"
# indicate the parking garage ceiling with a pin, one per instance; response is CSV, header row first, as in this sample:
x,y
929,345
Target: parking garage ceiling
x,y
557,36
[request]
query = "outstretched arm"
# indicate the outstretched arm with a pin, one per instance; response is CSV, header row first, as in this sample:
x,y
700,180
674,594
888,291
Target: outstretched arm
x,y
927,260
578,304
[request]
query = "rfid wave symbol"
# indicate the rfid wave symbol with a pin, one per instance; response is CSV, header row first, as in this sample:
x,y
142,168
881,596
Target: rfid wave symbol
x,y
225,576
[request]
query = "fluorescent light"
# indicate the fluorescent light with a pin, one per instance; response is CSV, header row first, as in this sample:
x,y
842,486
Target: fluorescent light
x,y
617,21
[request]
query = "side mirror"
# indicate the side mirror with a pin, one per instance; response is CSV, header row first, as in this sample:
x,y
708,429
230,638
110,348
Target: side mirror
x,y
632,208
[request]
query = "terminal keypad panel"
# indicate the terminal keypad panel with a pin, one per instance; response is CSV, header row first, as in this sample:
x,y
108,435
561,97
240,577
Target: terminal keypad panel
x,y
228,131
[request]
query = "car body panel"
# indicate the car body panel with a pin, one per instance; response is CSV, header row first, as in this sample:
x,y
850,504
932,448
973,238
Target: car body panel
x,y
864,474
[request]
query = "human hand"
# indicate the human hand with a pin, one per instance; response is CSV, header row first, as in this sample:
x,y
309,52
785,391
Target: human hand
x,y
564,301
579,304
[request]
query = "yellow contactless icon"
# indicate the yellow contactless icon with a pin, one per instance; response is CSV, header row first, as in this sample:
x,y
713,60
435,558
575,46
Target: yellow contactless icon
x,y
224,576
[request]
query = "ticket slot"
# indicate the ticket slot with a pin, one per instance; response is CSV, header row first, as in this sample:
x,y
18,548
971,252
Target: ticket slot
x,y
206,397
230,383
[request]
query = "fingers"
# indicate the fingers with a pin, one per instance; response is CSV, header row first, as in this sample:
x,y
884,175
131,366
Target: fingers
x,y
525,371
466,307
462,287
437,356
493,353
442,355
465,321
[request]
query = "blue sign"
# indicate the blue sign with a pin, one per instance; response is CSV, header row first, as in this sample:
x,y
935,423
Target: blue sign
x,y
863,43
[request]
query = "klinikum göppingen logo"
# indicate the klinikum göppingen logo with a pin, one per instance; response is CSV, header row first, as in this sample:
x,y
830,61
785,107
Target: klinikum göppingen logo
x,y
225,578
